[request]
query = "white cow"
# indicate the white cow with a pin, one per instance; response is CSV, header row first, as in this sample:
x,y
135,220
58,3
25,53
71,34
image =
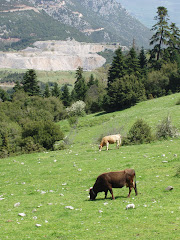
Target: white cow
x,y
111,139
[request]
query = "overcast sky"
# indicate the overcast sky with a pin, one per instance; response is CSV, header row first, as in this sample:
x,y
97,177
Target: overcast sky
x,y
145,10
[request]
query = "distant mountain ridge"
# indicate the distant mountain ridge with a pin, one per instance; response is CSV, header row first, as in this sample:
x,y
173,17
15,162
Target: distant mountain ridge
x,y
26,21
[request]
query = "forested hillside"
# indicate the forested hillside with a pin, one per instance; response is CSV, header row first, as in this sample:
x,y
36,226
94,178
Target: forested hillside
x,y
28,114
26,21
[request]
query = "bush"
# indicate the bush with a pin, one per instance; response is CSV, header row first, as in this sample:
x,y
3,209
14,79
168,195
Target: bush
x,y
139,133
178,172
28,145
73,120
76,109
44,133
165,129
178,102
59,145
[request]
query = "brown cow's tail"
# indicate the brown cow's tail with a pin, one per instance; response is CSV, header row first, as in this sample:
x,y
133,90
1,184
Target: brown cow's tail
x,y
135,188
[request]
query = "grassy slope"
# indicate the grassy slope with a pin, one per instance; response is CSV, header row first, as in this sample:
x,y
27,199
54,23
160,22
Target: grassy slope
x,y
71,172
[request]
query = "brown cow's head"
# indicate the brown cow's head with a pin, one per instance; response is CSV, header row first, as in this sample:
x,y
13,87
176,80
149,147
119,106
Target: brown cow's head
x,y
100,147
92,194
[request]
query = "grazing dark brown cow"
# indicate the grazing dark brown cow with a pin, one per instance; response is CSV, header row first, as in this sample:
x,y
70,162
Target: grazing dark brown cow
x,y
106,181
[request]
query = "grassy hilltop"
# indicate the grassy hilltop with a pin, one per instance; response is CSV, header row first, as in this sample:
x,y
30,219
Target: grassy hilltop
x,y
52,187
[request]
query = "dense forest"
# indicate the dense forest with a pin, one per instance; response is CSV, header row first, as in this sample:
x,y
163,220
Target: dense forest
x,y
29,114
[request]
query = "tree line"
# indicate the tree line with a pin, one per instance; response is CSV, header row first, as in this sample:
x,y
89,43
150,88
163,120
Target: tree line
x,y
28,116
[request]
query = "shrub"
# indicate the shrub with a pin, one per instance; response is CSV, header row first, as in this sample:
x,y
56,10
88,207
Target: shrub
x,y
28,145
45,133
165,129
178,102
76,109
73,120
139,133
178,172
59,145
10,133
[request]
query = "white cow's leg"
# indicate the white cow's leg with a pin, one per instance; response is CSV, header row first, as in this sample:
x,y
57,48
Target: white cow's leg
x,y
107,145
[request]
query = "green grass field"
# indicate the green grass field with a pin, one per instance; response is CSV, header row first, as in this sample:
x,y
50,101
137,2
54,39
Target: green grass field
x,y
52,187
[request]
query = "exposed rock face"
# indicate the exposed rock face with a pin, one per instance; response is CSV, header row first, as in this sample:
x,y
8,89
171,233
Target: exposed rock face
x,y
56,55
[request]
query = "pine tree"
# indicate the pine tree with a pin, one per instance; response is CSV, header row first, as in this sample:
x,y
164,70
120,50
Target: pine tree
x,y
132,63
56,91
30,83
118,67
66,96
4,96
91,81
143,62
174,37
161,32
73,95
173,48
80,86
17,86
123,93
47,93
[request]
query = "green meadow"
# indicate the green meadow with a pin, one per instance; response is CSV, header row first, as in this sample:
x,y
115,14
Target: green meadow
x,y
51,189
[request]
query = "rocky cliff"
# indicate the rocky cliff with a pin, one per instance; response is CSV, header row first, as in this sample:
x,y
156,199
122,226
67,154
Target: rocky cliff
x,y
56,55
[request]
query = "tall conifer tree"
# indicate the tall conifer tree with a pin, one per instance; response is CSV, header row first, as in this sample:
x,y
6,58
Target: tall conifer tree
x,y
80,86
66,96
30,83
132,63
161,28
118,67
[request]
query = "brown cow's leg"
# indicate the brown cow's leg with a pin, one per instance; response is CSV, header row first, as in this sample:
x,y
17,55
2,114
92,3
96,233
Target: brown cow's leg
x,y
106,193
130,189
135,188
112,194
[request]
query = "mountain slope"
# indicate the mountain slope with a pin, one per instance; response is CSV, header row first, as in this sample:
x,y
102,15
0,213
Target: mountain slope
x,y
87,20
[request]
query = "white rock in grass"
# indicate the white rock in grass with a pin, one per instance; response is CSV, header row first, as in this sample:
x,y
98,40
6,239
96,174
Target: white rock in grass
x,y
38,225
130,206
69,207
22,214
2,199
169,188
43,192
34,217
100,211
17,204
